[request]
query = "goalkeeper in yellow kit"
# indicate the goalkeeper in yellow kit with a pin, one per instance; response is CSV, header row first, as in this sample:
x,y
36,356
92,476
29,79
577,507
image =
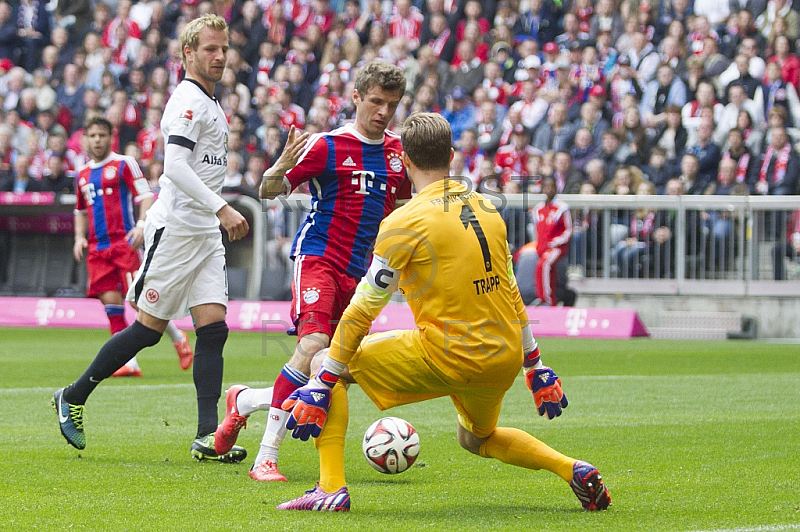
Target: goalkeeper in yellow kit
x,y
446,251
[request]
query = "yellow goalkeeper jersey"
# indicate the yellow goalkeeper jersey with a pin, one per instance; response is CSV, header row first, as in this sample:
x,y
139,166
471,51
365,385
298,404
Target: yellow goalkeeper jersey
x,y
449,245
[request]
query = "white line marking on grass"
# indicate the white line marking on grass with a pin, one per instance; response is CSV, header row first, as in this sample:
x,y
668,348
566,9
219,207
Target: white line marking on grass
x,y
39,389
577,378
764,528
669,378
53,389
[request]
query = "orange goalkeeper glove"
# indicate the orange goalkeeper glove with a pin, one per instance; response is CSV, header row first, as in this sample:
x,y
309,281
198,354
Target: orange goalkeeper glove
x,y
546,388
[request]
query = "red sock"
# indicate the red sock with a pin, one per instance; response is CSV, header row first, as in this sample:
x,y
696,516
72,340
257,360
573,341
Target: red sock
x,y
116,318
288,381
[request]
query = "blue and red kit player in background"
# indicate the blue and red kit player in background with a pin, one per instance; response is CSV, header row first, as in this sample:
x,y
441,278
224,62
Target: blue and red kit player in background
x,y
107,188
554,231
356,177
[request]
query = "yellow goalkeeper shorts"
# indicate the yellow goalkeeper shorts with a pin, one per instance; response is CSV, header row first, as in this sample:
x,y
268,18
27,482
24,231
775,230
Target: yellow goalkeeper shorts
x,y
393,368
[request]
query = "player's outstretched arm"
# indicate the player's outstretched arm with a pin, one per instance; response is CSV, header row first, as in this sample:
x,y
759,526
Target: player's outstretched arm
x,y
308,406
542,381
272,183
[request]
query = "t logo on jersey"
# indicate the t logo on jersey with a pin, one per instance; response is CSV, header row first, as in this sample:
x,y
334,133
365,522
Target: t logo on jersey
x,y
88,192
363,179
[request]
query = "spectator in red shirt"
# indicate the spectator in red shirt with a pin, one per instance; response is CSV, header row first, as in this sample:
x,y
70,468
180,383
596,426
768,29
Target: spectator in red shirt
x,y
147,138
512,159
553,233
321,16
473,12
110,37
406,23
291,114
468,146
789,62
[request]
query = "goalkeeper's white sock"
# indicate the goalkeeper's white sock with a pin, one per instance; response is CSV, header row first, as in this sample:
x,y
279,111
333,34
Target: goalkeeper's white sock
x,y
251,400
133,363
273,436
174,333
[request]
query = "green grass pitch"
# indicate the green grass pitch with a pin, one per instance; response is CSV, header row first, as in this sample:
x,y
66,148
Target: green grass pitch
x,y
689,436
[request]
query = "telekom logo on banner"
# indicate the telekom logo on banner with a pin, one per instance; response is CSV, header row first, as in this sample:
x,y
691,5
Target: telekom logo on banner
x,y
255,315
46,311
586,322
575,321
275,317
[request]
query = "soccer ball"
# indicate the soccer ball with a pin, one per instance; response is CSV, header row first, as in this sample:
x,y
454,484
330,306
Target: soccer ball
x,y
391,445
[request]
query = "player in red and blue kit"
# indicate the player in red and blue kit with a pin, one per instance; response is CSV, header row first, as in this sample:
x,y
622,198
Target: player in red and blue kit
x,y
107,188
356,177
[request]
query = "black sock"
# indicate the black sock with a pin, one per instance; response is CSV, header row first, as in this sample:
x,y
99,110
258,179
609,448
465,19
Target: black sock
x,y
120,348
207,374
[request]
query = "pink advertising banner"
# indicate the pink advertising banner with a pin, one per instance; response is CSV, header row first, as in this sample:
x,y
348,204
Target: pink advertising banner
x,y
27,198
572,322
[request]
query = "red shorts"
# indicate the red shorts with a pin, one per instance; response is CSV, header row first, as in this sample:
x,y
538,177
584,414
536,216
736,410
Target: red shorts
x,y
320,293
111,269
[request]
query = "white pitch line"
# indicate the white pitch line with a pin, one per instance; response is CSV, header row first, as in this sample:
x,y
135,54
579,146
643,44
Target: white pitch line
x,y
576,378
762,528
53,389
40,389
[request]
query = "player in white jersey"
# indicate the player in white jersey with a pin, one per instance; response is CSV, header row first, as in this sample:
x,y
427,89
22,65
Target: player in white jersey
x,y
184,267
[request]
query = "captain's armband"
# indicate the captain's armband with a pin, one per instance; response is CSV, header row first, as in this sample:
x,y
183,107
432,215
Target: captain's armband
x,y
381,277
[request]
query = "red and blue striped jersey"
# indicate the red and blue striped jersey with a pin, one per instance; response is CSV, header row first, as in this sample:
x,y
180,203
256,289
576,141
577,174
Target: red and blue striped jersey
x,y
106,192
354,182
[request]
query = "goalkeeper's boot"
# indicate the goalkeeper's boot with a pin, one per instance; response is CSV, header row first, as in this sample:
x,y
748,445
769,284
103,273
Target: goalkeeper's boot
x,y
266,471
588,487
317,500
70,420
227,432
203,449
185,352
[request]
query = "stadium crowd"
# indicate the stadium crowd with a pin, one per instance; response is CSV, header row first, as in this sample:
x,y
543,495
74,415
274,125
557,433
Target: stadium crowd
x,y
606,96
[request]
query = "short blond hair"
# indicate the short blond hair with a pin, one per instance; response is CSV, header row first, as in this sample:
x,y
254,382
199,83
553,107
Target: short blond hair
x,y
387,76
427,140
190,36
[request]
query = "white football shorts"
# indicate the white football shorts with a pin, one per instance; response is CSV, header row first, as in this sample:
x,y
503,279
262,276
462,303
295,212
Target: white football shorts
x,y
179,272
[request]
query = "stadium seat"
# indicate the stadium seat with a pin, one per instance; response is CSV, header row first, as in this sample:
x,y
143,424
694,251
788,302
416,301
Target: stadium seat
x,y
237,283
26,265
526,276
275,285
81,280
60,266
5,248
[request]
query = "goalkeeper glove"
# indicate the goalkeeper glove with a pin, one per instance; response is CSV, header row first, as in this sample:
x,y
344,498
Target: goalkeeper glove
x,y
546,388
308,406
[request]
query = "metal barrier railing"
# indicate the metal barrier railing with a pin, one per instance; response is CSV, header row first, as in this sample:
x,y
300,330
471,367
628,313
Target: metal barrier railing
x,y
653,244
